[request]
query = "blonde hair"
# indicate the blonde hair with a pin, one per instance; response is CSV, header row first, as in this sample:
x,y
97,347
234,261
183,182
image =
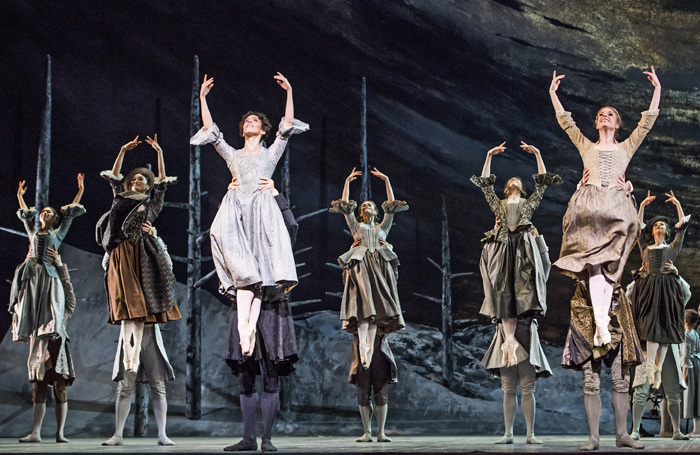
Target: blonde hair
x,y
617,114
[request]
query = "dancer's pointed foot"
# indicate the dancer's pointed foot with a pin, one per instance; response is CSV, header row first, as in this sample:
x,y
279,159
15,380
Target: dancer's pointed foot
x,y
532,440
628,441
244,445
267,446
381,437
61,438
364,438
680,437
114,441
31,437
505,440
165,441
593,443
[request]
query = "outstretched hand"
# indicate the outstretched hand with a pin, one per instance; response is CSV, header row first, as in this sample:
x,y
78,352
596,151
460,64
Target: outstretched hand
x,y
376,173
556,80
131,144
672,198
353,175
647,200
653,78
22,188
154,143
497,150
282,81
529,148
207,84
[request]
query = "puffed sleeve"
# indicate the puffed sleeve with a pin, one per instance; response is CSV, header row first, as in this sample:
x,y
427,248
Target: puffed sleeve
x,y
566,122
640,132
69,212
214,136
155,205
347,208
486,185
283,134
390,208
27,218
115,181
542,181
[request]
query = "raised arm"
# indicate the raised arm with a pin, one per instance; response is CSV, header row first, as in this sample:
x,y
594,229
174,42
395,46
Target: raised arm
x,y
289,108
207,84
651,75
672,199
20,195
81,188
556,80
117,167
531,149
389,190
346,188
648,200
161,163
486,171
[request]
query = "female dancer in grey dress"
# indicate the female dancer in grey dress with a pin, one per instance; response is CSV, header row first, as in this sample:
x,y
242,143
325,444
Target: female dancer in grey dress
x,y
249,242
600,224
514,261
658,298
370,297
37,300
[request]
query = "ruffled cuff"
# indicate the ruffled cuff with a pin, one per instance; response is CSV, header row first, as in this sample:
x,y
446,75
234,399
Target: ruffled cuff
x,y
344,207
483,182
72,210
297,127
27,214
394,206
683,223
110,177
165,183
547,179
204,136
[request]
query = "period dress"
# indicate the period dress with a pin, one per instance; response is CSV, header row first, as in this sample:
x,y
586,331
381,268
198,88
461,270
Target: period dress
x,y
514,263
370,271
37,298
139,279
249,242
691,361
658,299
600,225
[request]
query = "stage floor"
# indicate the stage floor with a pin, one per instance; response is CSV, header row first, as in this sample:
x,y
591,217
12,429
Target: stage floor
x,y
345,445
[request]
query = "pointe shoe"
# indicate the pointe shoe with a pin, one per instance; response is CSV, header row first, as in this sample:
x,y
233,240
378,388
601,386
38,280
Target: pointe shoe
x,y
593,443
243,445
364,438
381,437
532,440
267,446
114,441
628,441
504,440
31,438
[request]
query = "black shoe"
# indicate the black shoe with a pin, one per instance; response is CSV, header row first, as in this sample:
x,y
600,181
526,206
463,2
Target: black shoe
x,y
267,446
242,446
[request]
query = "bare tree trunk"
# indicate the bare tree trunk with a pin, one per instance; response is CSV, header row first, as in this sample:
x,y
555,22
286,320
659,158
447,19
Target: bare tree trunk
x,y
193,396
366,191
141,412
43,165
447,354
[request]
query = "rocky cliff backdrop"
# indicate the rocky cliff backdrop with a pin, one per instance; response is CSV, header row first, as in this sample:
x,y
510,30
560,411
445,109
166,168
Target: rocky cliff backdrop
x,y
446,81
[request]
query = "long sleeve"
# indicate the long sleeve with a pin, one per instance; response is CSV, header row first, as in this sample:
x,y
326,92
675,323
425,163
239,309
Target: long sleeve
x,y
542,182
155,205
640,132
566,122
